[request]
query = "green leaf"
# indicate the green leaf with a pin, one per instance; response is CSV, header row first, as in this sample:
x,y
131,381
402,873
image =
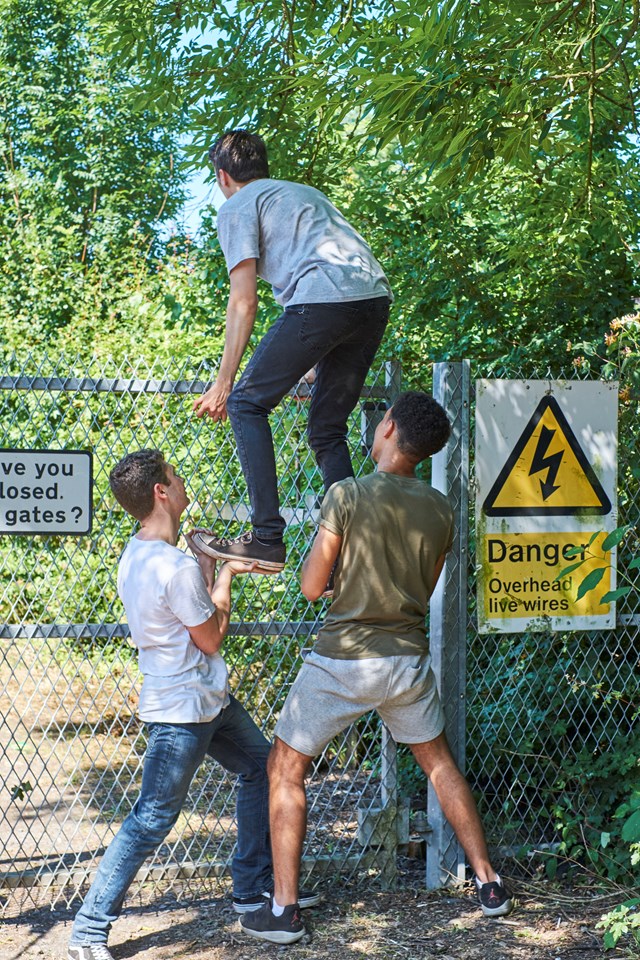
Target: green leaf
x,y
610,939
569,569
590,581
614,595
614,538
631,828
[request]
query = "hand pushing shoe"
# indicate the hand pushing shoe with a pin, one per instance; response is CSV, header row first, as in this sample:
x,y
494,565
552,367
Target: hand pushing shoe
x,y
270,557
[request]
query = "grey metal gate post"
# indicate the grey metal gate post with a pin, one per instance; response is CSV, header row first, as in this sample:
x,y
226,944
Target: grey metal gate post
x,y
448,614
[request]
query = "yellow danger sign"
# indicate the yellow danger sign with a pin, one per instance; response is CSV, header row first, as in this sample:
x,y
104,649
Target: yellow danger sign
x,y
547,472
520,571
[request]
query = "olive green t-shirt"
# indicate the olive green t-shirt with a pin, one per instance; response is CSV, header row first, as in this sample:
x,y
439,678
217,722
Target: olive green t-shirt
x,y
393,529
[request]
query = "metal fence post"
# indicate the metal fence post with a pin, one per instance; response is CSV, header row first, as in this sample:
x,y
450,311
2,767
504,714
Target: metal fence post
x,y
448,614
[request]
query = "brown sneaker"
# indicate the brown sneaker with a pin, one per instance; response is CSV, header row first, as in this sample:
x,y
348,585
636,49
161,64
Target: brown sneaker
x,y
270,557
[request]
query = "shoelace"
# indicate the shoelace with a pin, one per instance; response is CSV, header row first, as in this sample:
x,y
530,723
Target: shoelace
x,y
243,538
100,952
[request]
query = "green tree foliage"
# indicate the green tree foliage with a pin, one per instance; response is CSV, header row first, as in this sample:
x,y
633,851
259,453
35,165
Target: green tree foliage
x,y
86,185
493,273
486,149
458,83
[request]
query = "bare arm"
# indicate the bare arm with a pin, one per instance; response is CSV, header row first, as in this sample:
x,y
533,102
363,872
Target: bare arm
x,y
319,563
208,636
241,315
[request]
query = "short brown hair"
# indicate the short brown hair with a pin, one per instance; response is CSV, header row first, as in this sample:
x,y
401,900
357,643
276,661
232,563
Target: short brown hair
x,y
133,478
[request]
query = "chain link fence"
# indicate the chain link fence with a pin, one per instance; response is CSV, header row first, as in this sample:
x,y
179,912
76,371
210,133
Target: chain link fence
x,y
71,746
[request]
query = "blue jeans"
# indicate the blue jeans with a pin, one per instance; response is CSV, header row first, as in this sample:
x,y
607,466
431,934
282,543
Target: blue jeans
x,y
338,339
174,753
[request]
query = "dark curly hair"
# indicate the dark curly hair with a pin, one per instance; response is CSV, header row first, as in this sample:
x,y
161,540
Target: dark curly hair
x,y
133,478
422,424
241,154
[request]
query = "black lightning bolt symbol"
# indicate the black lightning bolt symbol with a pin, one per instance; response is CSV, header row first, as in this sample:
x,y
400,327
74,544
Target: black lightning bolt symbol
x,y
550,464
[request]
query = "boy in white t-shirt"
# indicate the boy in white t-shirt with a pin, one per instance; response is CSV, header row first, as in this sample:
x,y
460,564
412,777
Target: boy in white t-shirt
x,y
178,614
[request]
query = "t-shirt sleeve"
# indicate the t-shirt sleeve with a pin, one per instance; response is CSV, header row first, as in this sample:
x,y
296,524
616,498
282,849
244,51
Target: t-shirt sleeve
x,y
335,509
239,232
187,595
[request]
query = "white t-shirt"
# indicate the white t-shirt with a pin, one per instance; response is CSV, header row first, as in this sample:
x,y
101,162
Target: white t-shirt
x,y
163,593
303,245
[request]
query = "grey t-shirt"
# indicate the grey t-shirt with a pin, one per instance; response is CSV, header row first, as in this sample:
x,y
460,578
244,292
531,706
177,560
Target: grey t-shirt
x,y
303,245
394,529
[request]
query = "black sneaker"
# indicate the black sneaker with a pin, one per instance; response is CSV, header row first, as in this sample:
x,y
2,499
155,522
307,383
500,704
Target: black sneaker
x,y
88,951
270,557
494,898
265,926
306,898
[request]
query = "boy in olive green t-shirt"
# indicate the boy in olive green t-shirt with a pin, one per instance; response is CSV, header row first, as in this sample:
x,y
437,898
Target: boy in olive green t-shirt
x,y
393,531
388,535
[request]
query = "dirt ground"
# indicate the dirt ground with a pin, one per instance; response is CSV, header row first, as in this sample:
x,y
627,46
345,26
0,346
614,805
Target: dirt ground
x,y
551,922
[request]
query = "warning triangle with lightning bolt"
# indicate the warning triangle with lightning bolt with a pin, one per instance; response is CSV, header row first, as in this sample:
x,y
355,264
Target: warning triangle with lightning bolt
x,y
547,473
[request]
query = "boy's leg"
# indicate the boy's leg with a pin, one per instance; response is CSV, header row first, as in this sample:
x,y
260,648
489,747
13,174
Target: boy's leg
x,y
456,800
340,376
459,807
281,358
295,343
288,817
239,746
173,755
326,696
411,707
279,921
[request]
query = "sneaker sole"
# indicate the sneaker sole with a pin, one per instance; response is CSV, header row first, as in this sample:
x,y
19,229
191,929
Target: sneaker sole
x,y
311,901
274,936
266,565
247,907
502,911
305,903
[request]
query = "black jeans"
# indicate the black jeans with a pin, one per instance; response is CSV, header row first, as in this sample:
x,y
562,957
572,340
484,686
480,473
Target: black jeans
x,y
340,340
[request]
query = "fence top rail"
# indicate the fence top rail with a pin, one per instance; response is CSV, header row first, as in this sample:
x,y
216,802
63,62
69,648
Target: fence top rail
x,y
142,385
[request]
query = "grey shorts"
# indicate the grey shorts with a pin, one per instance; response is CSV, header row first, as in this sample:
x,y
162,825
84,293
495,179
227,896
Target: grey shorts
x,y
328,695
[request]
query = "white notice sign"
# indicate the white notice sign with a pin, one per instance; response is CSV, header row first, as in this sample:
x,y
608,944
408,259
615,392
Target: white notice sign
x,y
45,491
